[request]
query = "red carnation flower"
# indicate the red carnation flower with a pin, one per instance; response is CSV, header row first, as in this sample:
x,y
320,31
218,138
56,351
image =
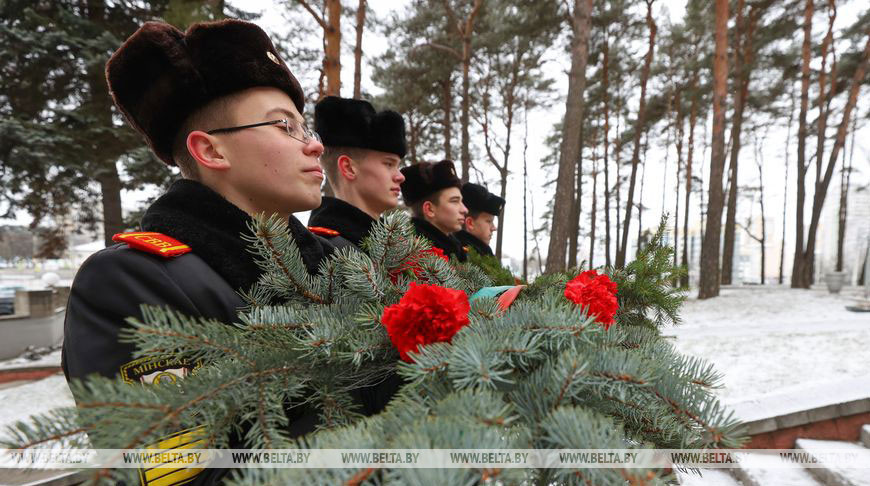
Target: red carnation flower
x,y
425,314
413,263
595,292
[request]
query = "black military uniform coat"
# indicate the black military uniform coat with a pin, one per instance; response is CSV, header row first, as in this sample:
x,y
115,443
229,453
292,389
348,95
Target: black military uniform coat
x,y
447,243
468,239
351,223
112,284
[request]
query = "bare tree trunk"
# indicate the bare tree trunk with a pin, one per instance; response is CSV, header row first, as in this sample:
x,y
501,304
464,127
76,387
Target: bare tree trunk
x,y
823,103
841,213
331,26
798,264
525,192
680,134
570,147
706,138
617,149
709,282
465,107
641,120
593,213
464,29
763,242
447,108
640,196
785,187
606,105
500,234
822,187
693,113
105,167
736,125
110,195
332,61
821,123
845,178
669,125
576,208
743,47
510,100
357,52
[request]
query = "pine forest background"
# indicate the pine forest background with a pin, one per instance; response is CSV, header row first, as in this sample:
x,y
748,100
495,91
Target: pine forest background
x,y
742,121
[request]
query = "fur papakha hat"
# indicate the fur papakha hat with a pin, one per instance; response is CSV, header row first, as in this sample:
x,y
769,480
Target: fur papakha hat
x,y
478,198
161,75
345,122
427,178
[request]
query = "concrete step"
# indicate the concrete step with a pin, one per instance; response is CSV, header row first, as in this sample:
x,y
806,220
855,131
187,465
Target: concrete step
x,y
865,435
708,477
758,469
837,474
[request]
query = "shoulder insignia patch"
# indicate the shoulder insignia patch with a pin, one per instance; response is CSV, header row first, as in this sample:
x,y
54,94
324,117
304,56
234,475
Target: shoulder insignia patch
x,y
158,369
151,242
321,231
168,465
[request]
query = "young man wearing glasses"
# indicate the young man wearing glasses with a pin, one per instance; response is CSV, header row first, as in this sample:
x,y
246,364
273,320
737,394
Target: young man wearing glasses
x,y
363,150
218,102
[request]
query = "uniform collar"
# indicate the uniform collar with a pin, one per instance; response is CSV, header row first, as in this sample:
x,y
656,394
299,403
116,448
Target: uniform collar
x,y
467,238
448,243
351,222
195,215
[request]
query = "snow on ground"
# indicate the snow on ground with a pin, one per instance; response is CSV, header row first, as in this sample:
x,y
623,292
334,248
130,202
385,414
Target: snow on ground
x,y
50,359
769,339
22,401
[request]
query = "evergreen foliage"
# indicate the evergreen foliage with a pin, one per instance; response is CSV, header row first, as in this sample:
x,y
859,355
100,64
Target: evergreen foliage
x,y
542,374
493,269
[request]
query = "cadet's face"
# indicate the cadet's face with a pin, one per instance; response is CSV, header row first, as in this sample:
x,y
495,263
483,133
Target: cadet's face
x,y
449,213
380,180
269,170
483,226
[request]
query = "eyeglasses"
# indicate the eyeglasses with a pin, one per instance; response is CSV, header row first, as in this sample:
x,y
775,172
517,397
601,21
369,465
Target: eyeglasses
x,y
294,129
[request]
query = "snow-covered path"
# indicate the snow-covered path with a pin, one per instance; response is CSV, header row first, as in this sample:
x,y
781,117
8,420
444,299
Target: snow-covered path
x,y
767,340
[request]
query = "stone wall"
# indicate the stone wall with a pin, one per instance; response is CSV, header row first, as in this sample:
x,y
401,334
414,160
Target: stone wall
x,y
38,321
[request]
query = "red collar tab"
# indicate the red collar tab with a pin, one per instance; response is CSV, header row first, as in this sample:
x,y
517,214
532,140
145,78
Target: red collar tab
x,y
321,231
151,242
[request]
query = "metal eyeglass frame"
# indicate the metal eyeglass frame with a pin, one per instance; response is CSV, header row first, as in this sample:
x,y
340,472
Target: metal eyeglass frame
x,y
307,133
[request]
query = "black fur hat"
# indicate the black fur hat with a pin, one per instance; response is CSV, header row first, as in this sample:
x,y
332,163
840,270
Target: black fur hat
x,y
161,75
477,198
427,178
344,122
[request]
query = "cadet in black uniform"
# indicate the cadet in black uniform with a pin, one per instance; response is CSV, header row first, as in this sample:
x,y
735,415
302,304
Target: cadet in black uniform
x,y
483,207
432,192
363,150
218,102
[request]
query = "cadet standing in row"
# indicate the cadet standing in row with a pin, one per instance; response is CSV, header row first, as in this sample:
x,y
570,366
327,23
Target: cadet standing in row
x,y
218,102
483,207
432,193
362,156
363,150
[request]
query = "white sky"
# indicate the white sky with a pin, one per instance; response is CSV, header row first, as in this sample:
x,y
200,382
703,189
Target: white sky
x,y
540,123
